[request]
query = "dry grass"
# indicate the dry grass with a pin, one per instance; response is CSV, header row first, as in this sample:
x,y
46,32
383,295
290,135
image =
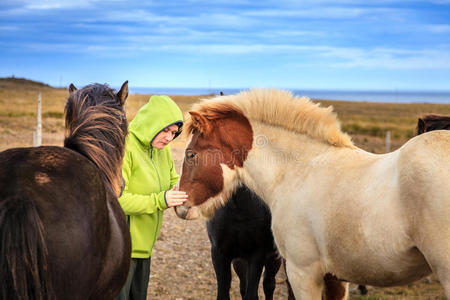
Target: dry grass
x,y
181,267
366,122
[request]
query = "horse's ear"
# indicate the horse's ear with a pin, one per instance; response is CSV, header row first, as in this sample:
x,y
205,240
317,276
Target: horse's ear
x,y
420,126
201,123
72,88
123,93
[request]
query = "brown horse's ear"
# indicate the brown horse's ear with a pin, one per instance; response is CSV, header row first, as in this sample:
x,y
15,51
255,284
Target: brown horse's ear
x,y
420,126
201,123
123,93
72,88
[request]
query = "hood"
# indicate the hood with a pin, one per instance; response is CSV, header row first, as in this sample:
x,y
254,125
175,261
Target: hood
x,y
160,112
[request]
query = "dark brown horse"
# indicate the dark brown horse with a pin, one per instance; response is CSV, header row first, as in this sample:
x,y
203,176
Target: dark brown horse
x,y
432,122
63,234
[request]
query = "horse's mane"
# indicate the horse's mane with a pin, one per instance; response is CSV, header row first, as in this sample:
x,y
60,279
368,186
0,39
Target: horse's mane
x,y
96,127
277,108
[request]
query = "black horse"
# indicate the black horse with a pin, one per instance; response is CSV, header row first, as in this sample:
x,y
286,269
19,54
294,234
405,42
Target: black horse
x,y
63,234
240,233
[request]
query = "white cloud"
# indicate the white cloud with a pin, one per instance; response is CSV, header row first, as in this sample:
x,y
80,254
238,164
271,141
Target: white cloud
x,y
320,56
319,12
188,20
396,59
330,13
288,33
9,28
440,1
25,5
355,2
441,28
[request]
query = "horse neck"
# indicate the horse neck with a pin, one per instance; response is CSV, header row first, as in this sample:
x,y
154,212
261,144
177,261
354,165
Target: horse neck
x,y
244,199
98,135
110,166
275,156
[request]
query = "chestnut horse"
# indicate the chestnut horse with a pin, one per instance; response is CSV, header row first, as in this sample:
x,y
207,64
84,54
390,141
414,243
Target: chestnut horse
x,y
63,234
338,212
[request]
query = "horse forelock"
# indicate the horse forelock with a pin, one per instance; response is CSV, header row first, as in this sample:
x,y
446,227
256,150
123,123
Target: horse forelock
x,y
211,110
279,108
96,127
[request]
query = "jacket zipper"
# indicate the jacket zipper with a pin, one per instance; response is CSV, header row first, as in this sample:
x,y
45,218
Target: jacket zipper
x,y
160,188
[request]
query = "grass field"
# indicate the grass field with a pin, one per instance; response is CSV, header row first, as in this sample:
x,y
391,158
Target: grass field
x,y
367,123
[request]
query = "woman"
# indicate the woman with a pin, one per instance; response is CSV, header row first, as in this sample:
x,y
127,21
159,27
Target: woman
x,y
150,177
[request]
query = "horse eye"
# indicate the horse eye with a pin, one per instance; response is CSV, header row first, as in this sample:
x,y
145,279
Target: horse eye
x,y
191,154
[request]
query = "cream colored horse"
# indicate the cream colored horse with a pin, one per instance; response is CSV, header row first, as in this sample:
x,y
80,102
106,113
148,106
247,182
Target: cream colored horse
x,y
379,220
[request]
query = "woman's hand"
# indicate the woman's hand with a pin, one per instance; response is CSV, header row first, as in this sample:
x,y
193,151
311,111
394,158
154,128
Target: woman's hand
x,y
175,198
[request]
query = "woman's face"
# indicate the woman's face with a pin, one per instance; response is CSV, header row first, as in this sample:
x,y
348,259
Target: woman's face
x,y
165,137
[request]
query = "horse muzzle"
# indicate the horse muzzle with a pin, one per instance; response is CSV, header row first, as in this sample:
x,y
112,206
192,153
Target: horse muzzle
x,y
187,212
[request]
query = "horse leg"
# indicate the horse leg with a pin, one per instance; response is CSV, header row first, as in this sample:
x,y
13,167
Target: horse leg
x,y
435,248
439,261
255,267
432,237
222,267
362,289
240,267
306,282
288,284
334,288
271,267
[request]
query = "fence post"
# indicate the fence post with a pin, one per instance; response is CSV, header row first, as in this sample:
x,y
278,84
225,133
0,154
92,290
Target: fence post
x,y
388,141
37,136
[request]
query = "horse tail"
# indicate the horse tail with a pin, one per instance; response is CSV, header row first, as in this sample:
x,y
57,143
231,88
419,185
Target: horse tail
x,y
23,252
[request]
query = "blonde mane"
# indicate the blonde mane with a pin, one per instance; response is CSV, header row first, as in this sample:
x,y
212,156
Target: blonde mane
x,y
278,108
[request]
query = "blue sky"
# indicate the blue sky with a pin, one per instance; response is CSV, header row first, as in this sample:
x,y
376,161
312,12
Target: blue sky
x,y
320,44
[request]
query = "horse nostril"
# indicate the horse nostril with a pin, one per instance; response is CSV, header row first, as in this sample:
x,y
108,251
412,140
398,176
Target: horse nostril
x,y
182,211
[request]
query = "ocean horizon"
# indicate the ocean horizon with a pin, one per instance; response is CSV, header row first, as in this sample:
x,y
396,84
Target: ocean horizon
x,y
396,96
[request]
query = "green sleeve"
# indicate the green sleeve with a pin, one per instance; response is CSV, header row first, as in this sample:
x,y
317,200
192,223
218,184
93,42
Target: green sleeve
x,y
137,204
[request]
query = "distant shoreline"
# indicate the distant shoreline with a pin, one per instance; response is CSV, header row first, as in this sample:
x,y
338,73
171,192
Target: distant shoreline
x,y
439,97
376,96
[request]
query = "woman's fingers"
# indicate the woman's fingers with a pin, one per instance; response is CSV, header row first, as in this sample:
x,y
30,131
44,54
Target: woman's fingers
x,y
177,194
175,198
175,202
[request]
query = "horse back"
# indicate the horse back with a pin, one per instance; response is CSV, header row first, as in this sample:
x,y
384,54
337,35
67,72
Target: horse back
x,y
68,194
424,163
424,176
60,181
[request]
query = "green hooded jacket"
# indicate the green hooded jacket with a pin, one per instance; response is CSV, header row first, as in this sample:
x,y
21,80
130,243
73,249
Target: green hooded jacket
x,y
148,172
